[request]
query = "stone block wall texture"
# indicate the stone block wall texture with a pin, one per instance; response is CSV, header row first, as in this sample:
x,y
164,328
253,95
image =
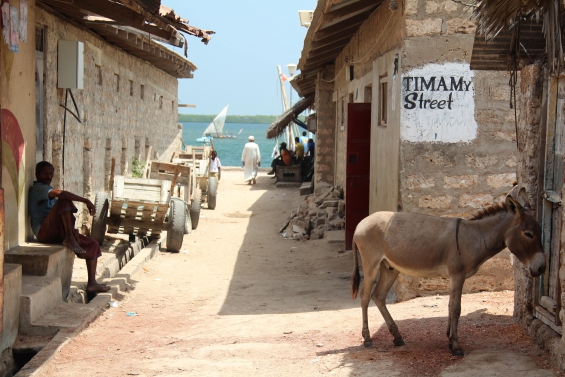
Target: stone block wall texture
x,y
124,99
325,123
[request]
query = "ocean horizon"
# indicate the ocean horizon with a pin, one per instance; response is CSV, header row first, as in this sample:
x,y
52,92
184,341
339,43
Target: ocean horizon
x,y
229,150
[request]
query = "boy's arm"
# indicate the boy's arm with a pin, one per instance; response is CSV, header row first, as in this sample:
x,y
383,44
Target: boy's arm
x,y
62,194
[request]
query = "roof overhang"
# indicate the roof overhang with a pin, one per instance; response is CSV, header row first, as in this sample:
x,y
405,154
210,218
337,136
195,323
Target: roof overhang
x,y
135,26
333,25
496,54
278,126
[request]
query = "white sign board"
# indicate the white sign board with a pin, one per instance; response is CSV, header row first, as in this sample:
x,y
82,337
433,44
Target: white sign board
x,y
438,104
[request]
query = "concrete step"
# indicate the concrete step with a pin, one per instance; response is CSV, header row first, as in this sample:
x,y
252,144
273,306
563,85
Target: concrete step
x,y
39,259
43,314
335,236
305,188
39,295
288,184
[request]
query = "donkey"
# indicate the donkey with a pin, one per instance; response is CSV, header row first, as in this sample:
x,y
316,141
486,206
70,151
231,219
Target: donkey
x,y
430,246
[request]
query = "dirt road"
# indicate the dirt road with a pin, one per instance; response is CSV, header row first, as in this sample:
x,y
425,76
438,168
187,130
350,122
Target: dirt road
x,y
242,301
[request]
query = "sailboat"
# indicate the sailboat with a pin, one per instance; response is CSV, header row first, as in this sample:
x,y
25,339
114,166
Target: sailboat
x,y
216,128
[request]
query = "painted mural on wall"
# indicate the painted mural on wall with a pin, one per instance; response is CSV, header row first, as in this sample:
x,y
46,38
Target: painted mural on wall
x,y
13,151
438,104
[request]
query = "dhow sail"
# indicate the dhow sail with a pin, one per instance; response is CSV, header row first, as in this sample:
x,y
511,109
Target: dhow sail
x,y
216,127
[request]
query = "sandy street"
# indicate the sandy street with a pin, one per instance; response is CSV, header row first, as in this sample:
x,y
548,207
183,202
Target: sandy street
x,y
242,301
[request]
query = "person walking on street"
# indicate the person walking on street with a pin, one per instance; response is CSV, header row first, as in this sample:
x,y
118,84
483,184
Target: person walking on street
x,y
251,160
215,168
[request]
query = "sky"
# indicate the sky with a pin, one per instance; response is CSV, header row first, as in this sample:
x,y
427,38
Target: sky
x,y
239,65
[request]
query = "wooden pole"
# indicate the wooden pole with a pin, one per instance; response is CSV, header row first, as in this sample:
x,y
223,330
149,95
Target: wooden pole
x,y
147,162
174,182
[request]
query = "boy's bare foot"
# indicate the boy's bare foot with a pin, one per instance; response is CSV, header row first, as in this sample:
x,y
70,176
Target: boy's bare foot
x,y
74,246
97,288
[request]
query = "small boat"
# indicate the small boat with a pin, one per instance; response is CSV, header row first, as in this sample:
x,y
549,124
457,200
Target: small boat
x,y
216,128
205,139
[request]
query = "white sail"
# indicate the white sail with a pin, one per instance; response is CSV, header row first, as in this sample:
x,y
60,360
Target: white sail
x,y
216,127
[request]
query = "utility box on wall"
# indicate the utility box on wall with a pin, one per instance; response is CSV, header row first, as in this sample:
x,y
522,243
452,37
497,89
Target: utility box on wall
x,y
70,65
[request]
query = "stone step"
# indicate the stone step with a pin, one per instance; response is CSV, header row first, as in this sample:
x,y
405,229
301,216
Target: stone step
x,y
305,188
335,236
288,184
39,295
43,314
39,259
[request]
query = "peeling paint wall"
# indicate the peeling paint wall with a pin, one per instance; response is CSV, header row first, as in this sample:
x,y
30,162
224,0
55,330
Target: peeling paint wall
x,y
125,100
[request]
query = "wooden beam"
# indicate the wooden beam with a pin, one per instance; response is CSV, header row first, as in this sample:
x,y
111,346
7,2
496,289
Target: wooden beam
x,y
349,10
346,34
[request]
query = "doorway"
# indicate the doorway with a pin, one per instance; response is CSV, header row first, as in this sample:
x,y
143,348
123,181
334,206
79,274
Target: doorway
x,y
547,295
357,169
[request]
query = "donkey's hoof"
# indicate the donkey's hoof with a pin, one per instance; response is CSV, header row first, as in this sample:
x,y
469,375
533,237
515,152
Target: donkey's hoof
x,y
399,342
368,344
457,352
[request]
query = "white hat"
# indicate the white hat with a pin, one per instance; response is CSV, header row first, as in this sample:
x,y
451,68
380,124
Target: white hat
x,y
251,138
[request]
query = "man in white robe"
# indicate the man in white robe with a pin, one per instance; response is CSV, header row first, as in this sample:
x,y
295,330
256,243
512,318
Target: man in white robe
x,y
251,160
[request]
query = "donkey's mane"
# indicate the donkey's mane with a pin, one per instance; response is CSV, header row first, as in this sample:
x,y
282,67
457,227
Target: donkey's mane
x,y
491,210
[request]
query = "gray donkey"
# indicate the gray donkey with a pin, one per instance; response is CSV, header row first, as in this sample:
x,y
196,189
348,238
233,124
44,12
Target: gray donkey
x,y
430,246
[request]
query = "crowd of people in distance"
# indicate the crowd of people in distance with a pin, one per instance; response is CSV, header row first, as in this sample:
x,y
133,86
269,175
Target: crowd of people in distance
x,y
304,152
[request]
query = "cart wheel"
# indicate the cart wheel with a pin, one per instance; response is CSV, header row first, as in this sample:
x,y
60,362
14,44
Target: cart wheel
x,y
175,233
195,208
187,223
212,191
101,205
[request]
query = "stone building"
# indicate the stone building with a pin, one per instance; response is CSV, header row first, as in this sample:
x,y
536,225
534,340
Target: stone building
x,y
402,121
121,101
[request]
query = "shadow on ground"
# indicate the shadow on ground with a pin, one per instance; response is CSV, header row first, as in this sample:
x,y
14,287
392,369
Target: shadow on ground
x,y
280,275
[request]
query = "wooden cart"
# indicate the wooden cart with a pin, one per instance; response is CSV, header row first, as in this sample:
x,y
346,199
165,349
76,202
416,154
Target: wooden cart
x,y
140,207
186,188
198,158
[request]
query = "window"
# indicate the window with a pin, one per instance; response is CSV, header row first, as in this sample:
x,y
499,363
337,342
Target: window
x,y
117,82
383,102
142,92
368,94
131,87
172,105
160,102
98,75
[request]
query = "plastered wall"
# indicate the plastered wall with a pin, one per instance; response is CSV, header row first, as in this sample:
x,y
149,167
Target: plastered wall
x,y
17,91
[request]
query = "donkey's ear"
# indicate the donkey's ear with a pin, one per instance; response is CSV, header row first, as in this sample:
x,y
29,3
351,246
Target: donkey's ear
x,y
513,206
524,201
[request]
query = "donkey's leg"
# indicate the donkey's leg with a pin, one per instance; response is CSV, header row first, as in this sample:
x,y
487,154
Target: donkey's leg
x,y
457,282
369,277
386,279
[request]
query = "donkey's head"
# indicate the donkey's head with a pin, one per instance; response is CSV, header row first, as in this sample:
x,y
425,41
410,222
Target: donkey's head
x,y
523,237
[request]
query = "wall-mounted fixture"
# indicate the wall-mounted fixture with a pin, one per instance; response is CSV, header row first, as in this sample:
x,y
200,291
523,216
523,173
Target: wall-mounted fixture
x,y
305,17
70,65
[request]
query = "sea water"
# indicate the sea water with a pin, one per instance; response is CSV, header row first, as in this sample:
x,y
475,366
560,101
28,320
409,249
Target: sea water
x,y
229,150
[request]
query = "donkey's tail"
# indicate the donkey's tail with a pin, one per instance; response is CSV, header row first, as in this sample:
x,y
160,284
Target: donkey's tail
x,y
355,277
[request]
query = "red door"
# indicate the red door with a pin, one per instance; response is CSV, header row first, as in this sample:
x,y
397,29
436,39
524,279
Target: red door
x,y
357,168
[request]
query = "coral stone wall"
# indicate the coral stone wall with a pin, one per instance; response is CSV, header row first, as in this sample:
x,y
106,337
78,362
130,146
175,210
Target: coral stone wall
x,y
126,106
